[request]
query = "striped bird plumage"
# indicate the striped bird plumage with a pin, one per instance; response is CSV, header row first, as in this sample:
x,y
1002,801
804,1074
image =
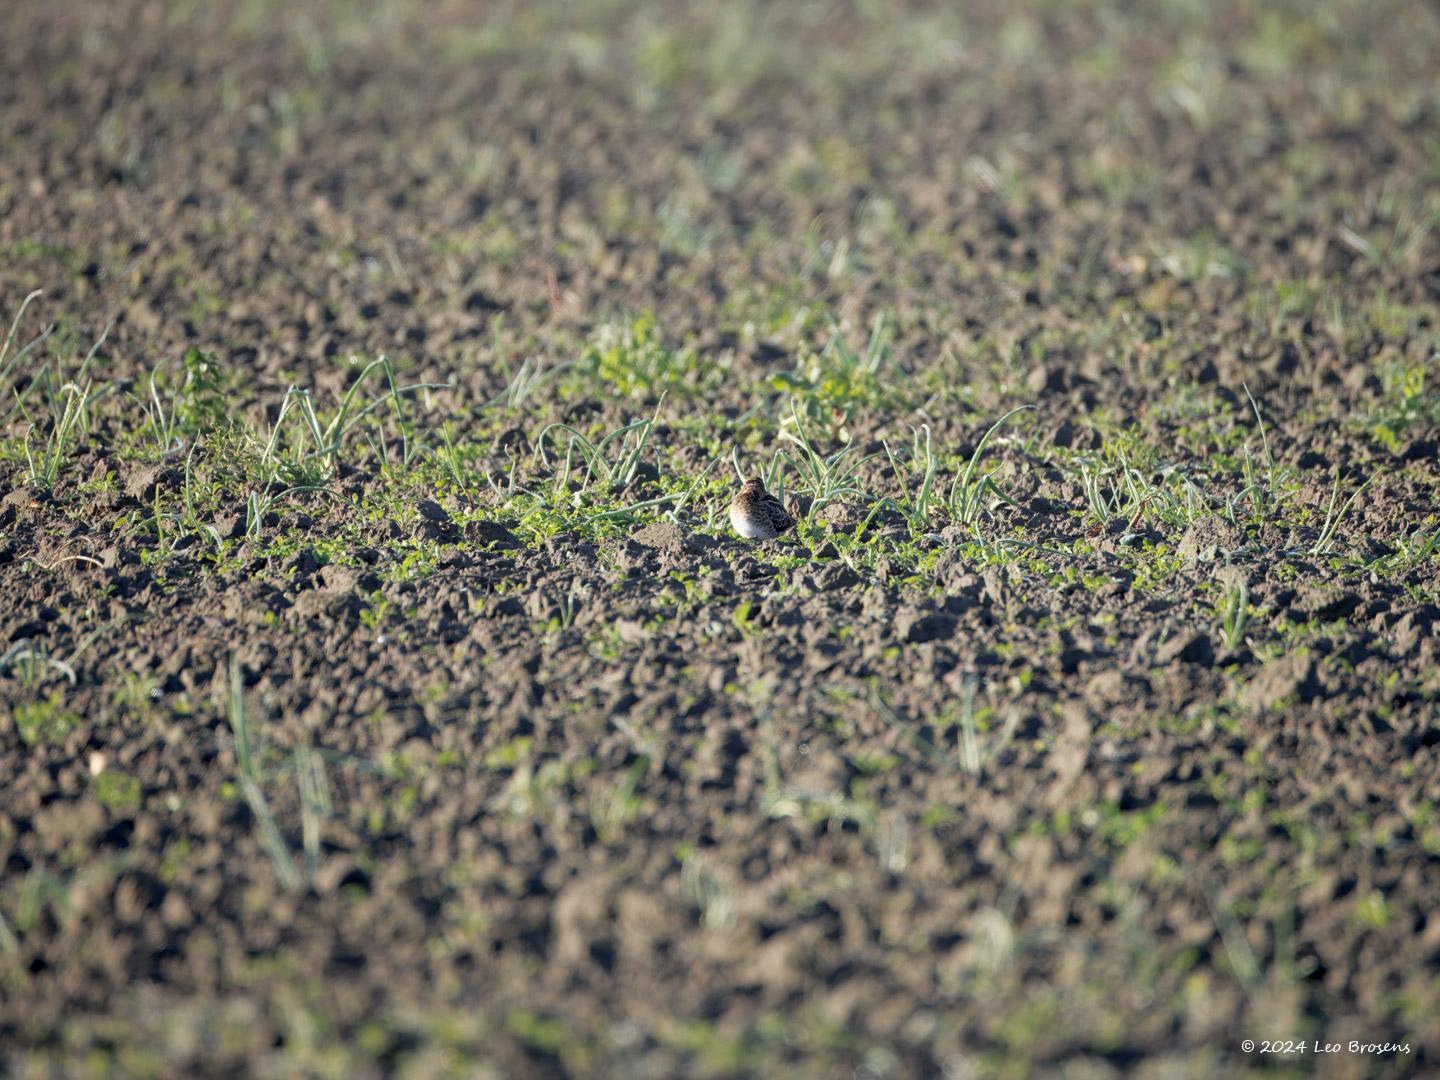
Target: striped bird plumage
x,y
758,515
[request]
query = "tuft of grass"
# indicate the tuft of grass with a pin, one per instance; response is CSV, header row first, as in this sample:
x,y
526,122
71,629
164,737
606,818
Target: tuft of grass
x,y
1267,497
614,460
190,406
65,430
304,449
9,362
968,491
1234,613
315,456
31,663
978,747
315,803
47,380
976,752
706,893
1387,232
46,720
1108,496
1196,258
916,509
117,791
68,403
634,360
524,383
830,385
611,810
270,836
825,478
1334,517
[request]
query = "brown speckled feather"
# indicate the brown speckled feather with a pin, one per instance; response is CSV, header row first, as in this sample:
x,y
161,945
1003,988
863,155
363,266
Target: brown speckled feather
x,y
756,514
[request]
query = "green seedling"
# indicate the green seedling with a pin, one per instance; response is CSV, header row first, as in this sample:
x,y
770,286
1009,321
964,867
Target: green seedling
x,y
42,890
612,810
73,421
614,460
916,510
706,893
976,752
1265,496
825,479
1234,613
451,460
31,663
315,803
877,350
1197,258
10,362
977,747
1334,517
632,358
779,800
744,619
1417,547
48,381
270,836
315,456
969,732
191,519
1401,234
689,493
826,387
524,383
1108,496
46,720
192,405
967,491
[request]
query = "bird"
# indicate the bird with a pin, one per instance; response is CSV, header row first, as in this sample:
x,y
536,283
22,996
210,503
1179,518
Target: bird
x,y
756,514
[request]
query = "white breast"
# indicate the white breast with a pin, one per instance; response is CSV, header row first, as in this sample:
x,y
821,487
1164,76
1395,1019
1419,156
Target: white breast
x,y
751,528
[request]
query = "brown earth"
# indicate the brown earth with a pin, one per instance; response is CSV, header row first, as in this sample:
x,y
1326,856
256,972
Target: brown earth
x,y
541,792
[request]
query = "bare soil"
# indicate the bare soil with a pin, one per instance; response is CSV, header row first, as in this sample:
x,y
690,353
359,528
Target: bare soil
x,y
632,797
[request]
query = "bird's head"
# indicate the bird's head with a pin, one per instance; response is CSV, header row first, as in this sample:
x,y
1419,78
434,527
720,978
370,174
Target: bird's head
x,y
753,486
